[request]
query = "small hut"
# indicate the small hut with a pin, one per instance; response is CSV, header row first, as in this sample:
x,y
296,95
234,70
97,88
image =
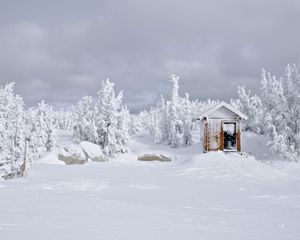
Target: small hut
x,y
221,128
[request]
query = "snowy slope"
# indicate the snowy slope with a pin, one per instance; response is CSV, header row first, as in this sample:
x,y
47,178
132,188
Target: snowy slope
x,y
196,196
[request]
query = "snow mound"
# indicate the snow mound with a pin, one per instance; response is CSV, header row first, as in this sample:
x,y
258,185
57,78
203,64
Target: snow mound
x,y
51,158
257,145
92,151
231,166
72,154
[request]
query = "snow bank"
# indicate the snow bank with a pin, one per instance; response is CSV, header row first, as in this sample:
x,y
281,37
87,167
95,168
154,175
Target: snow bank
x,y
257,145
231,166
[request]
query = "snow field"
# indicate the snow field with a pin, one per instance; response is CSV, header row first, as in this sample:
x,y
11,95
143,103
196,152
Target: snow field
x,y
196,196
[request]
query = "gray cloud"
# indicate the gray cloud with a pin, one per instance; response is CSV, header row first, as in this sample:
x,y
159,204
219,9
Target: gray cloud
x,y
62,50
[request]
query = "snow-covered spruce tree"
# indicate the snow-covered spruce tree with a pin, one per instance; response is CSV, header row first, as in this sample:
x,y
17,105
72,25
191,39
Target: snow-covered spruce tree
x,y
156,130
292,91
64,119
84,126
12,133
280,101
174,122
91,131
159,125
37,148
253,108
275,114
110,120
163,109
139,124
187,121
41,129
48,122
123,129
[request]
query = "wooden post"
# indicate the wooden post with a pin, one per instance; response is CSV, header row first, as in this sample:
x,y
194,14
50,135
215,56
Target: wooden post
x,y
238,137
205,145
221,148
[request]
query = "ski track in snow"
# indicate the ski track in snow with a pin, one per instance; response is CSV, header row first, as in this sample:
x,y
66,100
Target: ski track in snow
x,y
196,196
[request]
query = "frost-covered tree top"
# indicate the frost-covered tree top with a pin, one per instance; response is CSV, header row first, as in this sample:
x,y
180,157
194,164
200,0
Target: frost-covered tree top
x,y
174,79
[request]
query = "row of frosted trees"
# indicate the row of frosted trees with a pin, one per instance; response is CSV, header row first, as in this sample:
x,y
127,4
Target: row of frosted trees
x,y
173,119
25,135
275,111
29,134
105,121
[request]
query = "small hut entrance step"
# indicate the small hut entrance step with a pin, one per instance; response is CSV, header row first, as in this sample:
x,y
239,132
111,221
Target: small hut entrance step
x,y
230,143
221,128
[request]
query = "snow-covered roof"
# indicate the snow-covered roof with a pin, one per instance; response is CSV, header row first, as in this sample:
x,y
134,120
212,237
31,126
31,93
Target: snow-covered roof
x,y
208,113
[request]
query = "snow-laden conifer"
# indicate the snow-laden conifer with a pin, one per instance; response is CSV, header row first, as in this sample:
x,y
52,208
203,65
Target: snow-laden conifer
x,y
187,121
253,108
83,119
173,106
109,117
12,132
65,119
42,126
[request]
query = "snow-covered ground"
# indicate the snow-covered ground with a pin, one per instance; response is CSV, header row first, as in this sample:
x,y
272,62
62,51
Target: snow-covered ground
x,y
196,196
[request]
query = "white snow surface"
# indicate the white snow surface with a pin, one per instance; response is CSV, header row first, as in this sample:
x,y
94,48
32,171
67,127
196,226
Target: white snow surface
x,y
196,196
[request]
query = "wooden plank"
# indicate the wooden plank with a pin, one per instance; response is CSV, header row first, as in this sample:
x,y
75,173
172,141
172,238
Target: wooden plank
x,y
214,128
205,142
221,148
238,137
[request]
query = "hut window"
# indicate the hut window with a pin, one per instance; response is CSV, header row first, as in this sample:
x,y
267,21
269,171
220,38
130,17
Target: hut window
x,y
229,129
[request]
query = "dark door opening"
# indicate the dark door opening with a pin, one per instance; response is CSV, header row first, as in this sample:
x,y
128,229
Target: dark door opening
x,y
229,136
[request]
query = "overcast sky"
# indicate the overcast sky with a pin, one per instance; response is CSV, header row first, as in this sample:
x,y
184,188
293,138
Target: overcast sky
x,y
61,50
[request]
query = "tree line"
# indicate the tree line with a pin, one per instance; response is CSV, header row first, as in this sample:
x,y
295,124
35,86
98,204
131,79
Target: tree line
x,y
26,135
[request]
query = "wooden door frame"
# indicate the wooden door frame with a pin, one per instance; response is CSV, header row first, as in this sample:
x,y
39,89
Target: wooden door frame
x,y
237,138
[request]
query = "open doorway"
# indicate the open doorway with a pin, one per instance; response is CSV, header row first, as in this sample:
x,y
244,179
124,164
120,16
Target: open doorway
x,y
229,129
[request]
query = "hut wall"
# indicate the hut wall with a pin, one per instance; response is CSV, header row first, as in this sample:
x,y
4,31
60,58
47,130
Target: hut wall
x,y
212,135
